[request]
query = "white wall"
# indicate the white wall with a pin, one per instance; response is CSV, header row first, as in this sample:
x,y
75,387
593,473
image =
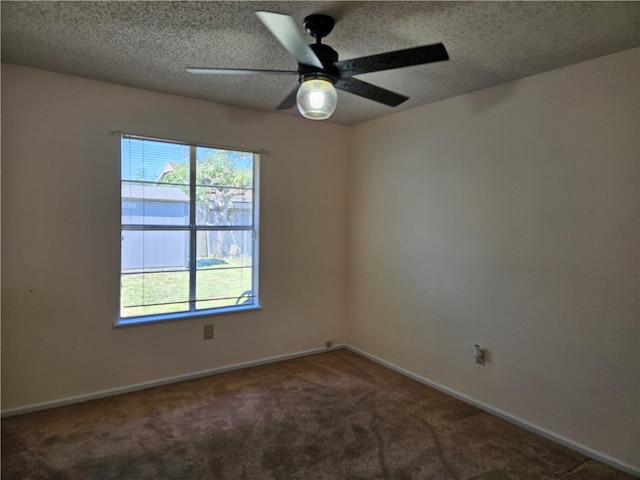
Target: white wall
x,y
61,240
509,217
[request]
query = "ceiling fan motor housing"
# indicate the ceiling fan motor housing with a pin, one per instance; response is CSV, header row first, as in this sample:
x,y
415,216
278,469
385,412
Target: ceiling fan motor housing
x,y
319,26
327,56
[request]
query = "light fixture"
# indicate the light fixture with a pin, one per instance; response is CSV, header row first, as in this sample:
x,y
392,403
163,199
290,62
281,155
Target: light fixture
x,y
317,97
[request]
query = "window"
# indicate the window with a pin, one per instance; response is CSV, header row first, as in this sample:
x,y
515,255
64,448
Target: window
x,y
189,232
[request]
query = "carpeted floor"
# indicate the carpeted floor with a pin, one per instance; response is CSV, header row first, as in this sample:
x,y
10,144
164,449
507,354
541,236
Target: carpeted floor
x,y
330,416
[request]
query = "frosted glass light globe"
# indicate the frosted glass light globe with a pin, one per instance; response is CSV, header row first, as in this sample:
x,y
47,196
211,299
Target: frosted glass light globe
x,y
317,99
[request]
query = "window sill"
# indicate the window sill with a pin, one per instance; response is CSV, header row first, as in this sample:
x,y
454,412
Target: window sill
x,y
127,322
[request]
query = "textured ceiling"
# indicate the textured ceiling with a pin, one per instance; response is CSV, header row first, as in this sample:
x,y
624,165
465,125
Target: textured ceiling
x,y
149,44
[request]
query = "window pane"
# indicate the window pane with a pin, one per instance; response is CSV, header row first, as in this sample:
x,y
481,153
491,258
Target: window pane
x,y
154,293
155,276
154,250
223,286
215,247
225,268
153,161
154,204
222,206
224,193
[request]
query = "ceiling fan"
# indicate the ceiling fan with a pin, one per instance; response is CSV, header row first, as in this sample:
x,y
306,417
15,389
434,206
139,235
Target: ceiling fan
x,y
320,72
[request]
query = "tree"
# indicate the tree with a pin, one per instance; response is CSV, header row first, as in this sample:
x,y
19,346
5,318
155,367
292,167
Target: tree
x,y
223,178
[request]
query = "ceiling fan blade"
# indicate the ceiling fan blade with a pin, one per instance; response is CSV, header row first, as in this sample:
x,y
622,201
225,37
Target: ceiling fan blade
x,y
372,92
237,71
396,59
284,28
289,101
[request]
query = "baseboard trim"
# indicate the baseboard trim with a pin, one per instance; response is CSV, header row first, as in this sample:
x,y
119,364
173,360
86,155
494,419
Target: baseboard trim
x,y
158,383
503,415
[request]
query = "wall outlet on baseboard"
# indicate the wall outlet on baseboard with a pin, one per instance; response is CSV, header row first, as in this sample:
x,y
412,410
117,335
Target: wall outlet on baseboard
x,y
208,332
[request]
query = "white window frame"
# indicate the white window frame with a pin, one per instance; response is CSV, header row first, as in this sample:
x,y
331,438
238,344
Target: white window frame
x,y
193,229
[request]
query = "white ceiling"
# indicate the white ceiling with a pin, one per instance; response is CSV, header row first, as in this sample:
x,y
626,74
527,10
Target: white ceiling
x,y
149,44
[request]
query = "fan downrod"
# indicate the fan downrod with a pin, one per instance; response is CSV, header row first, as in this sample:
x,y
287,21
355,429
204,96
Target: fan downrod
x,y
318,25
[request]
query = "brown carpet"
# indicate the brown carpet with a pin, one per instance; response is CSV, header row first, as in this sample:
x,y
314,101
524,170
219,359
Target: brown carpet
x,y
330,416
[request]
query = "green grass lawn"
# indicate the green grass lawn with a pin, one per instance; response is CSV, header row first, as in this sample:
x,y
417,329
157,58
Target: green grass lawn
x,y
168,292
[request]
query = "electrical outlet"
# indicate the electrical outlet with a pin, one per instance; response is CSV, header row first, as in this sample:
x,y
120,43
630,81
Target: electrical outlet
x,y
480,354
208,332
